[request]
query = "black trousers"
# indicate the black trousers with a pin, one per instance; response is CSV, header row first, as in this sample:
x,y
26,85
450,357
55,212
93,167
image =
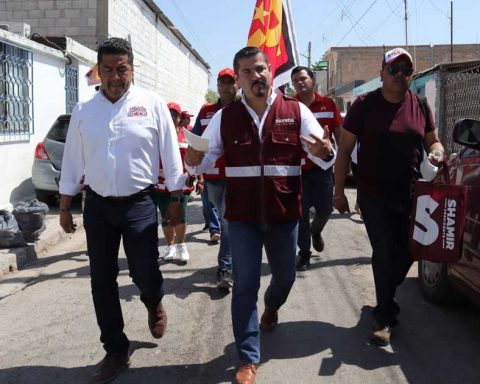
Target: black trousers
x,y
317,192
386,219
106,223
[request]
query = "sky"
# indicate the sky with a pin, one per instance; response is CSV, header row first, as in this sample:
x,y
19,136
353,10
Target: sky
x,y
217,29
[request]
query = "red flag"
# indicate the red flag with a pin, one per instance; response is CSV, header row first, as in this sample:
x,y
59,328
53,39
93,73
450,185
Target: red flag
x,y
272,32
92,76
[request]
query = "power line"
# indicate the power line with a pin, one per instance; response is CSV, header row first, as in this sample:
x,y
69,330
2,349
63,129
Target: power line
x,y
438,9
350,18
194,34
360,18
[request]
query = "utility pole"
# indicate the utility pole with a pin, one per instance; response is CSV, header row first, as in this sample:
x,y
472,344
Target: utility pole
x,y
451,31
406,25
309,59
309,56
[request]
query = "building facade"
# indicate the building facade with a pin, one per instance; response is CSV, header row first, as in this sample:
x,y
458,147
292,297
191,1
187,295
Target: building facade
x,y
164,60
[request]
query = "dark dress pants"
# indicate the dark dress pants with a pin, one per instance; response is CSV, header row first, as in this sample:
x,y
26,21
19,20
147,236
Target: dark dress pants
x,y
386,219
317,192
106,223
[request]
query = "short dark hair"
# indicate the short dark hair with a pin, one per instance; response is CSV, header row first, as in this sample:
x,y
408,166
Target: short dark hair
x,y
299,69
245,53
115,46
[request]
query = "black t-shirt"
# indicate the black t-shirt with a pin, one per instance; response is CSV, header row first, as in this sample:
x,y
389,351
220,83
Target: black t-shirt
x,y
391,141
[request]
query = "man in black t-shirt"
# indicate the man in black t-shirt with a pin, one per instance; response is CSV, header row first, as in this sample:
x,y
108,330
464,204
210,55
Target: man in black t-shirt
x,y
393,131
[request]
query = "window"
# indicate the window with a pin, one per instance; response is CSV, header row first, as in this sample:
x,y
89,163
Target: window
x,y
16,93
71,88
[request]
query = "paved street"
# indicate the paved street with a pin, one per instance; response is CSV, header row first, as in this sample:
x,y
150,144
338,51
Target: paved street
x,y
48,332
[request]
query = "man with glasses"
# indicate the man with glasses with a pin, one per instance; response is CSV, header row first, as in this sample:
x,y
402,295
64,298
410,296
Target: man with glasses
x,y
393,132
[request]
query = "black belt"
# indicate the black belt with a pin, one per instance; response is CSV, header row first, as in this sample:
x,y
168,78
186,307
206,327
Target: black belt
x,y
133,197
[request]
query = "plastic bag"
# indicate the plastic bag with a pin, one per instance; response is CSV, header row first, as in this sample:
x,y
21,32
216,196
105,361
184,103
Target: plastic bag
x,y
30,216
10,234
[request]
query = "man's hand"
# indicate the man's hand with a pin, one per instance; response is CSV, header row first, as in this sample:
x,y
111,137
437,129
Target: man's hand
x,y
320,147
66,221
340,203
199,187
193,157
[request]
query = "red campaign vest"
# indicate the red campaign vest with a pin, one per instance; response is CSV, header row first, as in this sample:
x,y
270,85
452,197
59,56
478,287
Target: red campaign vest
x,y
183,145
263,182
326,113
217,172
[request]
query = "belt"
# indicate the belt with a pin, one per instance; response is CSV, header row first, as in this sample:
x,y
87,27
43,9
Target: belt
x,y
133,197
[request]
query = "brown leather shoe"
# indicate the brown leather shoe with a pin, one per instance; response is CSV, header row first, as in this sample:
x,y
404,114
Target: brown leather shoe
x,y
269,320
157,321
246,374
381,336
109,368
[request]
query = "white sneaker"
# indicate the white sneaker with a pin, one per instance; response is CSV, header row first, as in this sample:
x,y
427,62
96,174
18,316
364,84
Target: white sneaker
x,y
183,252
169,253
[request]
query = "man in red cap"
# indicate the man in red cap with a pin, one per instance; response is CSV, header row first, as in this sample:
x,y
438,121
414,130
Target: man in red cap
x,y
393,126
214,178
185,117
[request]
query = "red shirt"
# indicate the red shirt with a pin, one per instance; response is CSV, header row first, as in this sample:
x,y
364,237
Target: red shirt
x,y
327,114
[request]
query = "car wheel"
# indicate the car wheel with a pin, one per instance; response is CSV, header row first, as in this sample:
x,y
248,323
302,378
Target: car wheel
x,y
436,286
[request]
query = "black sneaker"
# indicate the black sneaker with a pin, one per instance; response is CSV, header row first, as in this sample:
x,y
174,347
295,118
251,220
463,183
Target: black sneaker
x,y
224,279
317,241
302,264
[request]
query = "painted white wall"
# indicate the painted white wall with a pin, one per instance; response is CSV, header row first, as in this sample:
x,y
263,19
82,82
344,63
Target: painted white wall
x,y
162,62
48,102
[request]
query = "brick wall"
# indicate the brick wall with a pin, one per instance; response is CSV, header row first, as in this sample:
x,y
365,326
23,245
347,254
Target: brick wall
x,y
347,64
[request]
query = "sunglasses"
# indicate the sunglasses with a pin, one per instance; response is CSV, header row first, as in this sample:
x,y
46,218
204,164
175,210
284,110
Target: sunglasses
x,y
393,69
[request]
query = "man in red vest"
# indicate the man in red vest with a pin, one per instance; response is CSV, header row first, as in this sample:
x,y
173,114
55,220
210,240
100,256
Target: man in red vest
x,y
262,138
317,183
215,177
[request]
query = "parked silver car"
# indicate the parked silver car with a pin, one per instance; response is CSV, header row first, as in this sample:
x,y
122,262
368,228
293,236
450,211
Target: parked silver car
x,y
47,162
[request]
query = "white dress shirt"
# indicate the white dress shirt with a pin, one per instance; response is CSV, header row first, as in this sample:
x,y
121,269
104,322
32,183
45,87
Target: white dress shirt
x,y
118,146
308,124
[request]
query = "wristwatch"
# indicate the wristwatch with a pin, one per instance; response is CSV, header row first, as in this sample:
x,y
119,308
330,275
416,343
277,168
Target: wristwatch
x,y
329,157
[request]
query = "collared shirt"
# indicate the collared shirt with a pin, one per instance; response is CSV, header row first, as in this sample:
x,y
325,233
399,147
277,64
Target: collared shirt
x,y
308,124
118,146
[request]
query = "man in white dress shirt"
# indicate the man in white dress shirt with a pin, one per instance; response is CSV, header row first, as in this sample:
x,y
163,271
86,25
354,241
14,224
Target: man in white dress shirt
x,y
262,137
115,142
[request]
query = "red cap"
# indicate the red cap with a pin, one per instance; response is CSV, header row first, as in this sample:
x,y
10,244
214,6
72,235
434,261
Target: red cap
x,y
175,107
226,72
186,114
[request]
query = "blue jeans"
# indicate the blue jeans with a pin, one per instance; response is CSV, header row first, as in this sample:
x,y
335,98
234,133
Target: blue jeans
x,y
216,194
210,214
246,243
317,192
106,224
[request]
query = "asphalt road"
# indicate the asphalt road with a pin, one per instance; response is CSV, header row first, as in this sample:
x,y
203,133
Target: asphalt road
x,y
48,331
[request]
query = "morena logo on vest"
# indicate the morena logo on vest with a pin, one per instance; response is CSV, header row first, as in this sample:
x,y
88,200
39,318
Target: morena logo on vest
x,y
286,121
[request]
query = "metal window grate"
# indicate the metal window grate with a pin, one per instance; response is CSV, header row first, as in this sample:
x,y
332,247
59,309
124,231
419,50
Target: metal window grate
x,y
71,88
462,99
16,93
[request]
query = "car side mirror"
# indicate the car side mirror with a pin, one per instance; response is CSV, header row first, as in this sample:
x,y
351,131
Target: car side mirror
x,y
467,133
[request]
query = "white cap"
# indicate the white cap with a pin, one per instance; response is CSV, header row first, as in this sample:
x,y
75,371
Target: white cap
x,y
394,54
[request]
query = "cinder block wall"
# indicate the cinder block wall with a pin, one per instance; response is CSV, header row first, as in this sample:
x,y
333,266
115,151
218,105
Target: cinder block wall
x,y
73,18
163,63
